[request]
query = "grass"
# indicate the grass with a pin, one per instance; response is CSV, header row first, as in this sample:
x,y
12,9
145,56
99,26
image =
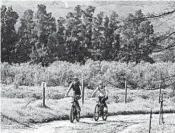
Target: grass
x,y
10,91
27,110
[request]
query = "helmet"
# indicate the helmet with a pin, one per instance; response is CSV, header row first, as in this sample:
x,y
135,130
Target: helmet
x,y
100,83
75,78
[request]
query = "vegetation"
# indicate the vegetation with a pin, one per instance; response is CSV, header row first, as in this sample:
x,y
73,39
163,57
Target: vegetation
x,y
91,46
79,36
141,76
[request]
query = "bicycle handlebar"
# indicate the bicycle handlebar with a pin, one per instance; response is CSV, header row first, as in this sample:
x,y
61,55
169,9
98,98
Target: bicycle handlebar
x,y
74,96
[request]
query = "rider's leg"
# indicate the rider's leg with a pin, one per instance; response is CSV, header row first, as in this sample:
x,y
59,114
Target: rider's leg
x,y
100,98
104,100
77,104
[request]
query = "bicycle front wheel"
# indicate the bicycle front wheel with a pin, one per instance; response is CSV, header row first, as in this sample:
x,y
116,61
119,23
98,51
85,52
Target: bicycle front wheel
x,y
72,116
105,113
96,113
78,116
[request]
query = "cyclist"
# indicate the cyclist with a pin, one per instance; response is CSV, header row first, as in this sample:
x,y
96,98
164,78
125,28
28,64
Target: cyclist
x,y
103,94
75,86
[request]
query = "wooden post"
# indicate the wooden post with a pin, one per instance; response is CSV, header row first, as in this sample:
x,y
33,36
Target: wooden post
x,y
44,87
173,87
162,111
160,90
161,120
125,91
82,89
150,121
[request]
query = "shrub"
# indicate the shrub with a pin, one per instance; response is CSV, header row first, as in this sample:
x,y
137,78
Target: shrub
x,y
60,73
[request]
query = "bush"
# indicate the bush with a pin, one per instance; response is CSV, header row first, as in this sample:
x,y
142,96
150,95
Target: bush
x,y
60,73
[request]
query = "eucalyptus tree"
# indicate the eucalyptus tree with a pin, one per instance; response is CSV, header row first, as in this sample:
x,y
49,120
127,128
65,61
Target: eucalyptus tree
x,y
9,37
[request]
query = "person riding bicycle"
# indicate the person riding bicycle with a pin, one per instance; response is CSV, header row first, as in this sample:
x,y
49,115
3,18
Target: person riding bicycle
x,y
75,86
103,94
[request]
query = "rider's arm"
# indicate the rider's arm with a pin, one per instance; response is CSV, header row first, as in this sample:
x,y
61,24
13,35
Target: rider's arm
x,y
94,92
106,91
81,90
80,87
70,86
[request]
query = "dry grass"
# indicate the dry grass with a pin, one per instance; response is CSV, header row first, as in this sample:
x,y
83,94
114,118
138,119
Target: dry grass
x,y
16,110
10,91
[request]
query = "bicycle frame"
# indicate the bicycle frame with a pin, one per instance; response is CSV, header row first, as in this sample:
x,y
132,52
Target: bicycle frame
x,y
99,111
74,105
101,106
74,100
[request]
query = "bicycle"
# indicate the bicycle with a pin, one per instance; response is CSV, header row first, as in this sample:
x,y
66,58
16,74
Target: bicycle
x,y
100,111
74,113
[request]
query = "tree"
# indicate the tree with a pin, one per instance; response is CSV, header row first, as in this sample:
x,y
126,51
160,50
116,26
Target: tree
x,y
98,37
166,51
88,24
105,38
138,38
112,39
27,38
56,42
166,39
9,36
45,26
76,47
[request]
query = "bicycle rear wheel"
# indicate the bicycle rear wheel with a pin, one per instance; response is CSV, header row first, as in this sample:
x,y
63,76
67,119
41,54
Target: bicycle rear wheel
x,y
96,113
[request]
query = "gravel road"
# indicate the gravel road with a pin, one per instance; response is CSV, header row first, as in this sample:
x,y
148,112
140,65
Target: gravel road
x,y
114,124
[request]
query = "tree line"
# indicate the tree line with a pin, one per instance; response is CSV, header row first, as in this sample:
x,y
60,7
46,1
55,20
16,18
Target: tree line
x,y
81,35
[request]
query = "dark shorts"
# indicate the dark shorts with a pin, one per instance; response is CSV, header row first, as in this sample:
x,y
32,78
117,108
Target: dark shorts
x,y
78,97
76,93
76,101
103,99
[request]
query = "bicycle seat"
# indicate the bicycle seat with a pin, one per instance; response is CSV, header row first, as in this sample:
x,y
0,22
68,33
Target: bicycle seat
x,y
98,102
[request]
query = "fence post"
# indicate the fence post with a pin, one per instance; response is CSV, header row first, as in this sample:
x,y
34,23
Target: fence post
x,y
160,90
125,91
162,111
82,89
44,87
161,120
150,121
173,87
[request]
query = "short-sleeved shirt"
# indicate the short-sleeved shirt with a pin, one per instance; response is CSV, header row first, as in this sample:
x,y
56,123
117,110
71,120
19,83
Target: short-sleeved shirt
x,y
102,91
76,88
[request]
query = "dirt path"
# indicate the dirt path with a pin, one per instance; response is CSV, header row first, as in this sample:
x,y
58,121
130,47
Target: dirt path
x,y
114,124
